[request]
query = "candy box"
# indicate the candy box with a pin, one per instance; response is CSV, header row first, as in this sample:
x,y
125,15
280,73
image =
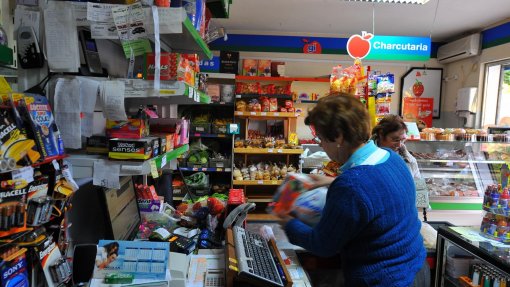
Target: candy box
x,y
264,68
130,129
137,149
249,67
165,67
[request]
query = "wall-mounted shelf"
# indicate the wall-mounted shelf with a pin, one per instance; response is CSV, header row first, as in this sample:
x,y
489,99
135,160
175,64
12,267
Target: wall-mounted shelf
x,y
223,76
206,169
249,96
282,79
83,164
170,92
267,151
187,42
306,101
199,135
258,182
266,115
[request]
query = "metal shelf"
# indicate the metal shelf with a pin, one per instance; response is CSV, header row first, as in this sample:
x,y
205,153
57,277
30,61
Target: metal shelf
x,y
170,92
83,164
207,169
263,115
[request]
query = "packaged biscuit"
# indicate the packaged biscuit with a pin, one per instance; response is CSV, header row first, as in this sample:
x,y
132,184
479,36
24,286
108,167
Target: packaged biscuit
x,y
46,134
132,149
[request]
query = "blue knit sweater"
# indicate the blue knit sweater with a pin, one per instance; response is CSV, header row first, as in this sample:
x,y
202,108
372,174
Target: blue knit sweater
x,y
370,218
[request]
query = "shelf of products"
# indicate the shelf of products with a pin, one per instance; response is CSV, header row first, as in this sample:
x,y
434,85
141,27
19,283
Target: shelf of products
x,y
281,79
174,92
306,101
463,255
276,96
267,151
188,42
201,135
258,182
83,165
208,169
265,115
457,173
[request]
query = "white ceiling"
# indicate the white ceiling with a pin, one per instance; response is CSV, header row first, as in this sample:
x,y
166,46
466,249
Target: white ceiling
x,y
337,18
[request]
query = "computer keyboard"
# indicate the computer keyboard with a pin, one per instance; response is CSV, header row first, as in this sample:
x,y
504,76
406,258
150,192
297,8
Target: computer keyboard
x,y
254,257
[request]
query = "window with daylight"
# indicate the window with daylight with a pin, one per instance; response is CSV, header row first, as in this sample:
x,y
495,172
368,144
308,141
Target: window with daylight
x,y
496,106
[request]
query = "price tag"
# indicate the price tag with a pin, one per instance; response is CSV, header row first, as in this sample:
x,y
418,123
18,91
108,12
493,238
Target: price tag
x,y
263,114
253,113
276,114
239,113
154,169
270,150
190,92
238,96
25,173
163,161
274,182
260,182
222,103
219,169
228,169
195,169
280,150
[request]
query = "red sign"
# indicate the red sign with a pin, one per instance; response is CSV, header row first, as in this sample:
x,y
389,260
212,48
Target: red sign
x,y
358,46
418,110
313,47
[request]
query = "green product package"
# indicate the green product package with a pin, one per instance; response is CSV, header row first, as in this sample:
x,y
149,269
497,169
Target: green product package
x,y
118,278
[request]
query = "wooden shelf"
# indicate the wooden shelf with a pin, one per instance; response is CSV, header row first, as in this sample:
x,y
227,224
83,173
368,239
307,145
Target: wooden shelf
x,y
207,169
276,96
258,182
261,217
265,115
200,135
282,79
298,101
267,151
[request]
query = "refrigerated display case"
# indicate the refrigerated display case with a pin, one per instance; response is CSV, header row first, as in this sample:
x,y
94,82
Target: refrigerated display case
x,y
458,172
463,256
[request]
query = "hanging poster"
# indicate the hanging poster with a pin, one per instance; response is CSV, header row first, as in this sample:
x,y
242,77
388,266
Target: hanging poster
x,y
423,83
418,110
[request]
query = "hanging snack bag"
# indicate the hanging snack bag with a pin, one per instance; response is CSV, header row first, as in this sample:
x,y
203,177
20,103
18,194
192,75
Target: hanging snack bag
x,y
386,84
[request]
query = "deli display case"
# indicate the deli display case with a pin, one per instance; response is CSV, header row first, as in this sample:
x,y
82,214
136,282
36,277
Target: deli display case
x,y
457,173
465,258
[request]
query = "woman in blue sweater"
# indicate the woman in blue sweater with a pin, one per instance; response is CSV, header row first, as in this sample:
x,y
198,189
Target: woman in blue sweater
x,y
370,217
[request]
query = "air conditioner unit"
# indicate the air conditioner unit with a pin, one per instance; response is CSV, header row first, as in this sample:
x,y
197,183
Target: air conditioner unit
x,y
460,49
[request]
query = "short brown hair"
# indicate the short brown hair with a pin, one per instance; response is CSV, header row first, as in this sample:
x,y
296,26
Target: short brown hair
x,y
340,114
389,124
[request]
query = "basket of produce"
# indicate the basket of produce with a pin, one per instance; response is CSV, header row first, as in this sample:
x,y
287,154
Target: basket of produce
x,y
198,156
201,124
219,161
219,126
198,183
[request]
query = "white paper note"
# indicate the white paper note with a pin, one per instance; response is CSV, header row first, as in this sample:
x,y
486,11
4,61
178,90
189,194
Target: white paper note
x,y
26,173
170,20
100,12
129,20
80,13
27,16
102,30
62,48
112,97
69,125
106,174
67,96
87,124
89,91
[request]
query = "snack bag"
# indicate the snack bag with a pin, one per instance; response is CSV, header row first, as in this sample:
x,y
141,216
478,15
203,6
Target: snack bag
x,y
273,105
385,84
295,197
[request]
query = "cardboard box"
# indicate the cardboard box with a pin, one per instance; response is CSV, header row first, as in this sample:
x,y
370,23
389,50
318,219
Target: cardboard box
x,y
249,67
130,129
97,145
213,90
264,68
277,69
132,149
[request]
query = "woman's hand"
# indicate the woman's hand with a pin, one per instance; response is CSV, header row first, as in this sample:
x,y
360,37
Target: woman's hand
x,y
321,180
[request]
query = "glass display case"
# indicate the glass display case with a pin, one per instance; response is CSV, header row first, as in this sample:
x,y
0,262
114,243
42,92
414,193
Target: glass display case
x,y
465,258
458,172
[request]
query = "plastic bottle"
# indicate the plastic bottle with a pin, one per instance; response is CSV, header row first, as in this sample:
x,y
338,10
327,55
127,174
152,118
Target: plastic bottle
x,y
503,202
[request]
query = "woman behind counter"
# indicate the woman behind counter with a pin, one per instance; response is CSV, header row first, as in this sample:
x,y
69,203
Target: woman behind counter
x,y
391,132
370,216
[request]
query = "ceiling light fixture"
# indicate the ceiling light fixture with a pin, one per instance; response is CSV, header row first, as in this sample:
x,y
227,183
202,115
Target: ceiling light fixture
x,y
421,2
